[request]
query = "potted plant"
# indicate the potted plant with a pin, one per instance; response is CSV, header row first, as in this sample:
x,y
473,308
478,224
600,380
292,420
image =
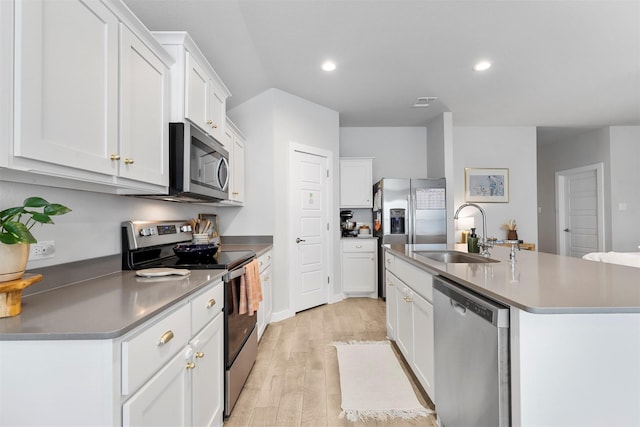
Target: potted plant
x,y
15,234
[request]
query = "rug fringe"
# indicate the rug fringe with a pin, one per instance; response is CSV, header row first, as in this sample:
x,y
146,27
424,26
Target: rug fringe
x,y
354,415
352,342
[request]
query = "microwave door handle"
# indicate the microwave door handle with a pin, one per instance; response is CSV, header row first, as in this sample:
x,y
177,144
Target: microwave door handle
x,y
223,161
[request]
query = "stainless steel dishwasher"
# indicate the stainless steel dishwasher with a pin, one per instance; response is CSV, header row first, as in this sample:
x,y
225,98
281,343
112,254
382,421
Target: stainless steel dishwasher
x,y
471,358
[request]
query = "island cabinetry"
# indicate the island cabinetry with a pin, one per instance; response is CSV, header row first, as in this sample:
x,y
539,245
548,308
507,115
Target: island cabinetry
x,y
198,94
410,317
188,390
359,266
356,182
266,307
90,98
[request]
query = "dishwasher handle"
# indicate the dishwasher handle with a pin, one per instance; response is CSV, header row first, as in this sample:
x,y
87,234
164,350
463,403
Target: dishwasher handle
x,y
462,298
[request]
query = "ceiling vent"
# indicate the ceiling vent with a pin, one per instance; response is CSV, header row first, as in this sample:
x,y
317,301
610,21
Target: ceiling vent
x,y
424,101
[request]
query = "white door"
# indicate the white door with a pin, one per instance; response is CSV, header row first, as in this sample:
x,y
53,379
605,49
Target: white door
x,y
309,196
580,211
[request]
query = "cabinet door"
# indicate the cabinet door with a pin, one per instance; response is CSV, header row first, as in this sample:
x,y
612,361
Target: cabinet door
x,y
266,309
391,305
359,272
208,375
216,111
404,327
144,112
197,92
356,187
66,83
423,344
164,400
237,171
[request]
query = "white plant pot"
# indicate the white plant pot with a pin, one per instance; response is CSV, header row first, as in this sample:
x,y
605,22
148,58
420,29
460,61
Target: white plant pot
x,y
13,261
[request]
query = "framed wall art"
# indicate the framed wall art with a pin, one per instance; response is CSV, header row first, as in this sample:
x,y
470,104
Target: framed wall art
x,y
486,185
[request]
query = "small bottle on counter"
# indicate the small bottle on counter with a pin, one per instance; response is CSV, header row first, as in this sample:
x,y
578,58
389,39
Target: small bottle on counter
x,y
472,242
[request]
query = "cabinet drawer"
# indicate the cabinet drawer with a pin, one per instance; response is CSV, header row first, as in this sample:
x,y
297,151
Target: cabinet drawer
x,y
419,280
207,306
389,262
359,245
264,261
144,353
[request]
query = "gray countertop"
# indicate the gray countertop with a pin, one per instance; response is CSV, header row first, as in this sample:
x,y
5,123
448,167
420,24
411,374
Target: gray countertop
x,y
105,306
101,308
539,282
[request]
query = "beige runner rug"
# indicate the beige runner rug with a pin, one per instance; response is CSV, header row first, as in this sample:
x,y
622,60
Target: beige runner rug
x,y
373,383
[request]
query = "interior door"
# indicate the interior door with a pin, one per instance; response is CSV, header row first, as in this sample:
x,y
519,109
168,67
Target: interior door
x,y
579,212
309,210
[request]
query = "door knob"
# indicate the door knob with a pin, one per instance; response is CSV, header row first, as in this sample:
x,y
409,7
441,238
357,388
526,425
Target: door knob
x,y
566,230
298,240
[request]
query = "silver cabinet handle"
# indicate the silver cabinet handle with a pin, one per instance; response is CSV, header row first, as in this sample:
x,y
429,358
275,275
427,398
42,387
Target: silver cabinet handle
x,y
298,240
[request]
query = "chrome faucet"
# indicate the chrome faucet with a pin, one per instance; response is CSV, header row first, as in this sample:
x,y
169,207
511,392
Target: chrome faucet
x,y
484,244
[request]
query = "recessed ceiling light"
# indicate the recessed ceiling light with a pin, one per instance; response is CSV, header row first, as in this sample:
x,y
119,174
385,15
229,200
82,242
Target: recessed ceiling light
x,y
482,66
329,66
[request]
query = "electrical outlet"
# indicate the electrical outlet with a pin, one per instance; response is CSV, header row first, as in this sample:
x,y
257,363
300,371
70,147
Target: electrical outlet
x,y
42,250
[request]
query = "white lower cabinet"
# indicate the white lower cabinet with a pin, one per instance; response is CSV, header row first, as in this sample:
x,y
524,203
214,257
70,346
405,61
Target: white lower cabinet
x,y
410,318
163,400
359,266
266,306
391,308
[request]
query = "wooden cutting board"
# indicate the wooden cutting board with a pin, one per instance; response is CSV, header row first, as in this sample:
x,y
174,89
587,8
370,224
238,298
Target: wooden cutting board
x,y
11,294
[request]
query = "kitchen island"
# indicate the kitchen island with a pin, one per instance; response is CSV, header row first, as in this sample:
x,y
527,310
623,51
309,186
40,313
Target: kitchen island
x,y
574,332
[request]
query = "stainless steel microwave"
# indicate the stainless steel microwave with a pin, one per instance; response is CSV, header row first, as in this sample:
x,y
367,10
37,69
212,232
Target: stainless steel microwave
x,y
198,166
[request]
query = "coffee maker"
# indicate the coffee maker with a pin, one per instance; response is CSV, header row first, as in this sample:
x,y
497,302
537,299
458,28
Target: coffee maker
x,y
348,226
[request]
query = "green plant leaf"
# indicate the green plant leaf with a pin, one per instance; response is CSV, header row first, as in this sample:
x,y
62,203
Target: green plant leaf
x,y
7,213
56,209
18,231
41,218
35,202
8,239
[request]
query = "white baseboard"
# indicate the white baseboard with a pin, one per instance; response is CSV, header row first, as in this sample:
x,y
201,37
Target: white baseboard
x,y
277,316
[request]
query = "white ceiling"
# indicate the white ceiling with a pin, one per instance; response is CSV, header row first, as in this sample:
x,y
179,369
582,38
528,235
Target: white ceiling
x,y
557,64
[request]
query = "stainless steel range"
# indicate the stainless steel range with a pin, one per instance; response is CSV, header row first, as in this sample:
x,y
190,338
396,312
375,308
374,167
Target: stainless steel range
x,y
150,244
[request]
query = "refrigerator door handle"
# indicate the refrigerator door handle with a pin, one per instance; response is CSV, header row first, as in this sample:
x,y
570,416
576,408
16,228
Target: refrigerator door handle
x,y
411,237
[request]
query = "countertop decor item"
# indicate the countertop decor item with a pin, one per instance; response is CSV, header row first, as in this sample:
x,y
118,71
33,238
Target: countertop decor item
x,y
15,233
11,294
373,384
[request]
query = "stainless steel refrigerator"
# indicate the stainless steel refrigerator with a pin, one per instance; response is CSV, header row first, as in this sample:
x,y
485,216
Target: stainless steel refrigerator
x,y
408,211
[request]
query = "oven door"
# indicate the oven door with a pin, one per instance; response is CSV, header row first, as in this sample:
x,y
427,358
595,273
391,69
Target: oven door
x,y
238,326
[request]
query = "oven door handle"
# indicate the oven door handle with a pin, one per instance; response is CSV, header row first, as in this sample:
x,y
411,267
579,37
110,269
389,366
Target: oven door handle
x,y
234,274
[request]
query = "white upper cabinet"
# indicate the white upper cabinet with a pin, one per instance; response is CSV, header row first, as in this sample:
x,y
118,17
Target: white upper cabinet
x,y
236,159
356,182
144,143
66,83
199,94
90,101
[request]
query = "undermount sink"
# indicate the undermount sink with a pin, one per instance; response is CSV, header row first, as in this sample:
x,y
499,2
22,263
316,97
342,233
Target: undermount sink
x,y
454,257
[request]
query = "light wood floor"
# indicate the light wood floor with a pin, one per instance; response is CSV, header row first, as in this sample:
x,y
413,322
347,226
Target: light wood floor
x,y
295,380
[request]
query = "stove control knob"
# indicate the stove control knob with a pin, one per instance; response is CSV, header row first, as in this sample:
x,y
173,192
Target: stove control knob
x,y
149,231
185,228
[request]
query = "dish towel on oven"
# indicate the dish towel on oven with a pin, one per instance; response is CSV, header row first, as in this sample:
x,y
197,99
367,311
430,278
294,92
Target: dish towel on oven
x,y
250,289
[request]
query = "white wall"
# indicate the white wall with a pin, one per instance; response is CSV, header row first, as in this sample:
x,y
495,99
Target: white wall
x,y
585,149
399,152
625,197
92,229
271,121
500,147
